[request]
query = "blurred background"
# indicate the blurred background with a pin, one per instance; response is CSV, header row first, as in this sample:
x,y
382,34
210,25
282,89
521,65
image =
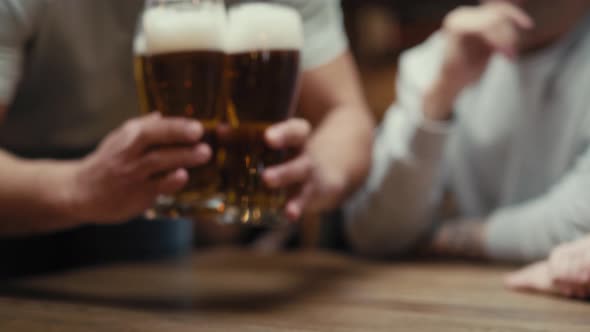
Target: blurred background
x,y
379,30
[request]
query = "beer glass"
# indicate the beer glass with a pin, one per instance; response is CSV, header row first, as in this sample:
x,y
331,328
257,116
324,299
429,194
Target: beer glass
x,y
179,62
263,46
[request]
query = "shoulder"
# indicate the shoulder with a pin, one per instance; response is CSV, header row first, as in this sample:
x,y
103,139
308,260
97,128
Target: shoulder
x,y
20,15
22,9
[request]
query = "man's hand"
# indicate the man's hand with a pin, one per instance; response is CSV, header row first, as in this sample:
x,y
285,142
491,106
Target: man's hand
x,y
144,158
473,35
341,145
567,272
569,265
314,171
299,172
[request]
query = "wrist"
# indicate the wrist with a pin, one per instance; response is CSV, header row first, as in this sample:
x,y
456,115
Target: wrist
x,y
66,193
439,100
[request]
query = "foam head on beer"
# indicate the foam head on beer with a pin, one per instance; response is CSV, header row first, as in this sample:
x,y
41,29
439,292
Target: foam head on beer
x,y
170,29
139,45
184,44
264,26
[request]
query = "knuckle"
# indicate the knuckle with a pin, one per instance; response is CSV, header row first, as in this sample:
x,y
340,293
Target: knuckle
x,y
452,20
189,158
122,171
151,161
500,22
133,130
141,134
305,127
448,22
172,124
132,125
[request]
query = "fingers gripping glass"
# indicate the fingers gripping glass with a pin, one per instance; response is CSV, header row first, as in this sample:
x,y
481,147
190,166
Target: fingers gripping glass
x,y
237,73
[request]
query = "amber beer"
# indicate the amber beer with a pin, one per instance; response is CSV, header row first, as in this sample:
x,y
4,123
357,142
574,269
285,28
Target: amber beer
x,y
184,76
264,42
142,76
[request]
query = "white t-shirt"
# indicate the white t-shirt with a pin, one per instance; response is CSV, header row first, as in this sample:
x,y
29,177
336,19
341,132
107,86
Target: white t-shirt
x,y
66,66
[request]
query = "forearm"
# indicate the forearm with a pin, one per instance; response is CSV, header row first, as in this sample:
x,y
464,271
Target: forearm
x,y
521,233
348,128
395,207
34,196
332,101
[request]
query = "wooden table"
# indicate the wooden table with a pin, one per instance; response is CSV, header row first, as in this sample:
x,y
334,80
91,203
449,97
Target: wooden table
x,y
231,290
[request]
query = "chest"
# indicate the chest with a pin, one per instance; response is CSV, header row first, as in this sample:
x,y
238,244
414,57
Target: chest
x,y
522,115
518,134
90,36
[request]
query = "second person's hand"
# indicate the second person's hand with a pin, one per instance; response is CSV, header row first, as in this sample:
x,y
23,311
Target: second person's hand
x,y
295,173
472,36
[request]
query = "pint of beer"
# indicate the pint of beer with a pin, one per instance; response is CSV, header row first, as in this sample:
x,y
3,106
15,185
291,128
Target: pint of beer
x,y
263,48
238,75
180,62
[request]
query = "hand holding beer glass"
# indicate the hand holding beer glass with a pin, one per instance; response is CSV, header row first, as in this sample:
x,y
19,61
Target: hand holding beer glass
x,y
238,75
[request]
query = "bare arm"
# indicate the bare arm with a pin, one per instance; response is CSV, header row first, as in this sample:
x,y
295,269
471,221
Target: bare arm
x,y
30,192
142,159
34,196
332,100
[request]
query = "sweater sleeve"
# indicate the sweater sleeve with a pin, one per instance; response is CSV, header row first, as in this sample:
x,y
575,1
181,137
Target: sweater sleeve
x,y
529,231
396,205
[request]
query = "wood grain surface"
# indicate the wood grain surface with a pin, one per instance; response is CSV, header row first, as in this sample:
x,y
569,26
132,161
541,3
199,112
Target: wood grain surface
x,y
231,290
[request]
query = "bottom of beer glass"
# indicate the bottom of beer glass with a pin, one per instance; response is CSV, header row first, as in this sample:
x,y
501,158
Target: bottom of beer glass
x,y
186,205
252,216
216,208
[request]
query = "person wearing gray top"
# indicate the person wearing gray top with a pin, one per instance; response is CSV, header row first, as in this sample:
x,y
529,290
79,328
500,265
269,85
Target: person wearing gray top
x,y
493,114
66,160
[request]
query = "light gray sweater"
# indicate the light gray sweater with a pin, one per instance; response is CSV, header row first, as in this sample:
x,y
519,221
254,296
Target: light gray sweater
x,y
516,156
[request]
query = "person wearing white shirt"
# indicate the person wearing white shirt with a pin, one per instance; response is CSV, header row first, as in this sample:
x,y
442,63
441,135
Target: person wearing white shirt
x,y
493,114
